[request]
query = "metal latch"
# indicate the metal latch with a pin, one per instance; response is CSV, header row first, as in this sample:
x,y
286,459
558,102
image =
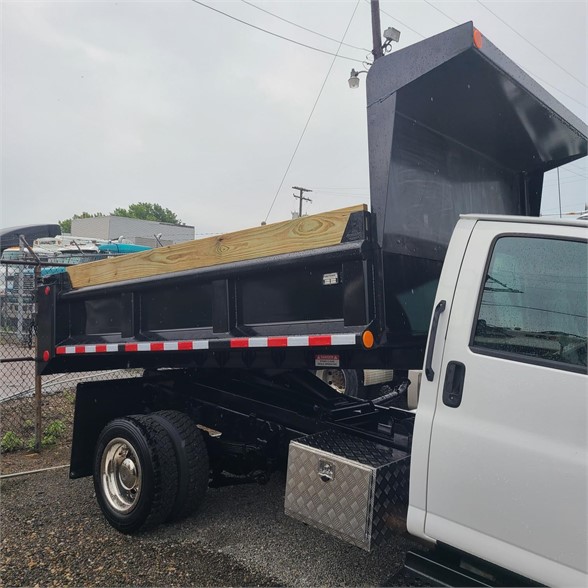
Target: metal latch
x,y
326,470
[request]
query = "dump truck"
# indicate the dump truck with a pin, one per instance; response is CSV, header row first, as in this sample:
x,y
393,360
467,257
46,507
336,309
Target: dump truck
x,y
450,272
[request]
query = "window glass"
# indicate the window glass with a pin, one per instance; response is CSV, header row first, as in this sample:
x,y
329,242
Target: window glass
x,y
535,300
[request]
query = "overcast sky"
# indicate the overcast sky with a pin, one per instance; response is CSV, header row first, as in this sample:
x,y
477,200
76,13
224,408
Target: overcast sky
x,y
109,103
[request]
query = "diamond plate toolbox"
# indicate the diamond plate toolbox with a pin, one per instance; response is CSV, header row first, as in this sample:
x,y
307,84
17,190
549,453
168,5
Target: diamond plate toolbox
x,y
349,487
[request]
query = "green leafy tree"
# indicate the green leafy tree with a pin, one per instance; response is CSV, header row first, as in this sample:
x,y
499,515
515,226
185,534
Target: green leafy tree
x,y
148,211
66,224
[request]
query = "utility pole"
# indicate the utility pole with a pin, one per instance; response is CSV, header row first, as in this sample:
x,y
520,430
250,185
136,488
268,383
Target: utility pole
x,y
377,51
301,198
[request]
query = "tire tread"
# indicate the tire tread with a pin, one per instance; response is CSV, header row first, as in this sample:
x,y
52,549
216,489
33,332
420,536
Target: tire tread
x,y
195,481
165,472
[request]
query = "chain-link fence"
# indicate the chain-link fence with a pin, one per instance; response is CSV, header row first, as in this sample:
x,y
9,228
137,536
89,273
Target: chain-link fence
x,y
17,356
34,412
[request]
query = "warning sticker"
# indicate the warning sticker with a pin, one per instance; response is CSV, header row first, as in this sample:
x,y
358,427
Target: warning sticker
x,y
326,360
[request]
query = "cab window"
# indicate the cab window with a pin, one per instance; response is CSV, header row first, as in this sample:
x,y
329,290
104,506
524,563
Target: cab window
x,y
534,302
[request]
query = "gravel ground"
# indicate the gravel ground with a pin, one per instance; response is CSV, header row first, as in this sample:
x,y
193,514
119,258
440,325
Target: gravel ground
x,y
53,533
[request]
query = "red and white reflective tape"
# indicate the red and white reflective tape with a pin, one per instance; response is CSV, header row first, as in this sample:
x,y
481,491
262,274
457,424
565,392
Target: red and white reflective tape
x,y
237,343
294,341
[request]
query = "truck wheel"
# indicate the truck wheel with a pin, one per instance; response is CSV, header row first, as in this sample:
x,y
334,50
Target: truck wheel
x,y
135,473
344,381
191,459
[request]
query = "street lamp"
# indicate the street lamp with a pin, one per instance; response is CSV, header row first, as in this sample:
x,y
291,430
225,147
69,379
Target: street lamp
x,y
353,80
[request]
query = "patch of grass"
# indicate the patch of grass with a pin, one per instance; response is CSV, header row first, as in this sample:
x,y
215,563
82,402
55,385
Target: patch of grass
x,y
70,396
53,431
11,442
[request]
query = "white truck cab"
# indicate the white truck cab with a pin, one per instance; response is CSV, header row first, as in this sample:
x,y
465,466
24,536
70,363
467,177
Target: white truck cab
x,y
499,462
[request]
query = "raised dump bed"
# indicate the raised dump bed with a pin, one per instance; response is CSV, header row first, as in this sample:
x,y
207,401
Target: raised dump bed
x,y
454,127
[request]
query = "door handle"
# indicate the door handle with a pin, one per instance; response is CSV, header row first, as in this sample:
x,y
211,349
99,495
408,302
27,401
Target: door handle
x,y
433,336
453,386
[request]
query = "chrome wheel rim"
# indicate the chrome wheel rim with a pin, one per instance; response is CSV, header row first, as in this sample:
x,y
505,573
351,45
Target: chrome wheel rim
x,y
121,475
334,378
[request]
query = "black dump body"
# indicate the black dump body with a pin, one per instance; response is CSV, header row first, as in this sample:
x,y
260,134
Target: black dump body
x,y
454,127
274,312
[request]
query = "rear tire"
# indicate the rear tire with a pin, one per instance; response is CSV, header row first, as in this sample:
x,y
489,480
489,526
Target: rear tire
x,y
192,461
135,473
344,381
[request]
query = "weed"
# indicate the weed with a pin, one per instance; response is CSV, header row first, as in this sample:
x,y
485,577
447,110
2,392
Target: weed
x,y
53,431
10,442
56,428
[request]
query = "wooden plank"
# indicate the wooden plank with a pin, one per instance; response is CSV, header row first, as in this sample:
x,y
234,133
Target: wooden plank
x,y
302,234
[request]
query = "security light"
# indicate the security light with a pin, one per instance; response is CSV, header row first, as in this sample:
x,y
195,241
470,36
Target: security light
x,y
392,35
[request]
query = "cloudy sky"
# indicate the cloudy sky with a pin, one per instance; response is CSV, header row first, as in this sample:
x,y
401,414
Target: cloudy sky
x,y
108,103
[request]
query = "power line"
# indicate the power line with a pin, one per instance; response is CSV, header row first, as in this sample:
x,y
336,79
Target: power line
x,y
311,113
553,181
576,177
531,43
572,166
529,72
359,198
274,34
345,189
341,193
550,211
399,21
301,27
550,85
514,31
525,70
443,13
575,173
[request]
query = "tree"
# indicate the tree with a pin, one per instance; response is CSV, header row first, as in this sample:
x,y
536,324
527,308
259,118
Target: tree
x,y
66,224
148,211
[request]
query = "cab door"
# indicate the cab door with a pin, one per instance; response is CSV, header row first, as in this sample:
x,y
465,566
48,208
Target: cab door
x,y
507,478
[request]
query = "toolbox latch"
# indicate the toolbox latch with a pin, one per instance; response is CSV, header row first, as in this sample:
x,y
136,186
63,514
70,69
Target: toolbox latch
x,y
326,470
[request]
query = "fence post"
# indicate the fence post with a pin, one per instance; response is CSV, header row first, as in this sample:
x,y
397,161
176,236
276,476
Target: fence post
x,y
38,384
38,413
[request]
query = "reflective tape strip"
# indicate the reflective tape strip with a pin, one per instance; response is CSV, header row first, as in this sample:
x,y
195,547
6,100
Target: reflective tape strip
x,y
319,340
344,339
69,349
297,342
236,343
277,341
